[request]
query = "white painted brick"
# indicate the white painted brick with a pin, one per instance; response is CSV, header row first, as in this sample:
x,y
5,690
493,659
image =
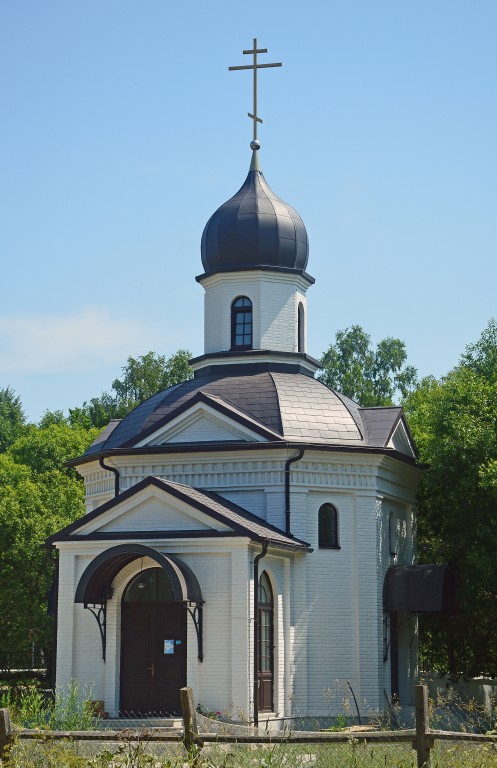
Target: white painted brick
x,y
275,299
328,603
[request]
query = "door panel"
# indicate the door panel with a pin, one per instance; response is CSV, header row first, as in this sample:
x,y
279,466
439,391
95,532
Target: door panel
x,y
151,678
171,667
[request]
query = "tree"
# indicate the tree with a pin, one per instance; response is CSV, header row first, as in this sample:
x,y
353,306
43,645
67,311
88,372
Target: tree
x,y
454,422
11,417
149,374
143,377
368,376
38,496
52,417
47,449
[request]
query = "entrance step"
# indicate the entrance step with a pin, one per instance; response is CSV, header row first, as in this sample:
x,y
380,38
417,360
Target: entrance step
x,y
123,723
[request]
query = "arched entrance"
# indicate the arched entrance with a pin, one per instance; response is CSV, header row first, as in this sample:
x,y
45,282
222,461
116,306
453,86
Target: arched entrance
x,y
153,613
153,646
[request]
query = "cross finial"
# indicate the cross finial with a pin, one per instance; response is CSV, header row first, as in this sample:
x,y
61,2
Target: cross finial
x,y
255,66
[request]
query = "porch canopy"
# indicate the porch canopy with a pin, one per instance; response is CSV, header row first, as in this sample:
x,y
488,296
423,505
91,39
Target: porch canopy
x,y
94,587
421,589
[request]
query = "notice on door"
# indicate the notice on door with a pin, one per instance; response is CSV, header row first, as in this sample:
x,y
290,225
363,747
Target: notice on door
x,y
168,647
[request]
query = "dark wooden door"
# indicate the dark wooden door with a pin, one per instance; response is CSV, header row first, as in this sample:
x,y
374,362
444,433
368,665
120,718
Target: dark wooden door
x,y
153,657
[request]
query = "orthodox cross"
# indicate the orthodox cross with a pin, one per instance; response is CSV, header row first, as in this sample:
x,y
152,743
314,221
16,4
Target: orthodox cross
x,y
255,66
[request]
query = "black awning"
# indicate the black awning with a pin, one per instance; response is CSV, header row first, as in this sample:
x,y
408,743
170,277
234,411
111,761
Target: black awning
x,y
94,585
421,589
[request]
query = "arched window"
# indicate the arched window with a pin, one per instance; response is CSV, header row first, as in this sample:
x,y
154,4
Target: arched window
x,y
149,586
328,527
266,644
241,323
301,328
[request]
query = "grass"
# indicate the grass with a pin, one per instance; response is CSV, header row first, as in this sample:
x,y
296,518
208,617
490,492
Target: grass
x,y
352,755
71,709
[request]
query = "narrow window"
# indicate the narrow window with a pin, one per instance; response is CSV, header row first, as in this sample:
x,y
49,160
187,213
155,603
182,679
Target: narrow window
x,y
266,644
241,323
392,533
301,328
328,527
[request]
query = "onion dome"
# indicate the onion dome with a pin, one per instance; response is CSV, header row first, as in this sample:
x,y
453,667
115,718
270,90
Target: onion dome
x,y
254,229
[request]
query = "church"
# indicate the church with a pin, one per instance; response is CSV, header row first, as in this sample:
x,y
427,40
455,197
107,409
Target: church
x,y
243,529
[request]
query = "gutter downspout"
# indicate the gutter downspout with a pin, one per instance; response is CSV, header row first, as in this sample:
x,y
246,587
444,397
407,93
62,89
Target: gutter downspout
x,y
258,557
116,473
287,488
53,557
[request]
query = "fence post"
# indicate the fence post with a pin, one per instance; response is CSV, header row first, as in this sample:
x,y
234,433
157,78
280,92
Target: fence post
x,y
5,733
190,727
423,742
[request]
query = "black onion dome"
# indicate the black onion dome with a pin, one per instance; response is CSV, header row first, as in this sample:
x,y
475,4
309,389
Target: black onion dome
x,y
255,228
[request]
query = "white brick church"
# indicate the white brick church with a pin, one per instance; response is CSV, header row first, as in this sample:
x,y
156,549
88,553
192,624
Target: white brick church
x,y
239,526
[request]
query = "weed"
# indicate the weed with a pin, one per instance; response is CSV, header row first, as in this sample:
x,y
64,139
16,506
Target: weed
x,y
70,710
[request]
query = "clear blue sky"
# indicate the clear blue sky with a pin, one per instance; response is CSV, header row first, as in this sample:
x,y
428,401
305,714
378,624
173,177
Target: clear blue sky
x,y
121,131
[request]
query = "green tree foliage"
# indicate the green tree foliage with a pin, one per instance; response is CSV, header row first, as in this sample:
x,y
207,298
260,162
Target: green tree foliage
x,y
367,375
52,417
149,374
454,422
38,496
142,377
45,449
11,417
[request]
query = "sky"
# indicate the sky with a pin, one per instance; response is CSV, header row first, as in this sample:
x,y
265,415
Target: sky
x,y
122,131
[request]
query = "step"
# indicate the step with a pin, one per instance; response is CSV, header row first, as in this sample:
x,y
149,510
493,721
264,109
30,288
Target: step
x,y
123,723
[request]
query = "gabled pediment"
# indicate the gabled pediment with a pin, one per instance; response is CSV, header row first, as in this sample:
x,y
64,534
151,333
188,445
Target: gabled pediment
x,y
156,508
400,439
150,509
208,419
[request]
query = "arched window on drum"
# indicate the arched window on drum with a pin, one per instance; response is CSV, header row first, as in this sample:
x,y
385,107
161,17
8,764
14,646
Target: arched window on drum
x,y
301,328
241,323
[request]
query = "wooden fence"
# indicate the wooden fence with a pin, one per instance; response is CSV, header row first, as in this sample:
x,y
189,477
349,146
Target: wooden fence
x,y
422,737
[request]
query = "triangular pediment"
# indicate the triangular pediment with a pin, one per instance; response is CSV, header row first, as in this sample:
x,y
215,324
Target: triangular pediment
x,y
150,509
208,419
400,439
156,508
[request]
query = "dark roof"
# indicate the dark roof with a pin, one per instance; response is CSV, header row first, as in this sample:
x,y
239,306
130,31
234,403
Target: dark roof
x,y
254,229
277,405
379,423
101,439
243,522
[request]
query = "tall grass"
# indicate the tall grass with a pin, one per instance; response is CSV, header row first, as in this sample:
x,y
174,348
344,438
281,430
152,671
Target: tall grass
x,y
71,709
354,754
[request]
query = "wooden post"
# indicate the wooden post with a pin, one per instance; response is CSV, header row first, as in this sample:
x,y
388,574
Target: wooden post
x,y
5,734
423,742
190,737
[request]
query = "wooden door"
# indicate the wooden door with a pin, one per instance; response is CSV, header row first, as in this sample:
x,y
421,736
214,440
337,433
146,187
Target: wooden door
x,y
153,656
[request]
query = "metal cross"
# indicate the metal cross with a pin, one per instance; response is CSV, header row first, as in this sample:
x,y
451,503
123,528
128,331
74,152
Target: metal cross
x,y
255,66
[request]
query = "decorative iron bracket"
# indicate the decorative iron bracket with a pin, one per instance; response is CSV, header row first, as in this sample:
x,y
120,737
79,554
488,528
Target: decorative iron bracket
x,y
100,613
197,616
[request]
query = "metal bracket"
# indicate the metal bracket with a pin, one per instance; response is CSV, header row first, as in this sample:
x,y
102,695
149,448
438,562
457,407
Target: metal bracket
x,y
197,616
100,613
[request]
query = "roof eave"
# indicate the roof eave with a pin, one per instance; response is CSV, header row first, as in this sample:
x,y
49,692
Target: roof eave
x,y
220,447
